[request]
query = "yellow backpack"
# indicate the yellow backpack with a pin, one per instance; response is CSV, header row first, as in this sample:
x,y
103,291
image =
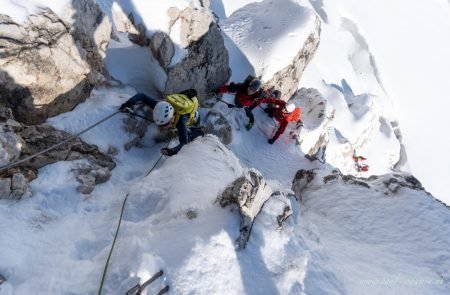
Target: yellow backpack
x,y
183,105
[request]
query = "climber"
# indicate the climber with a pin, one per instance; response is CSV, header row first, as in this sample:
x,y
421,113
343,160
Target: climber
x,y
359,166
177,111
282,112
246,95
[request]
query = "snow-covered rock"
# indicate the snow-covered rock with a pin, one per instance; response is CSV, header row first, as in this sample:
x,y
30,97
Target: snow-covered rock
x,y
217,124
249,192
50,62
388,227
274,39
185,40
18,141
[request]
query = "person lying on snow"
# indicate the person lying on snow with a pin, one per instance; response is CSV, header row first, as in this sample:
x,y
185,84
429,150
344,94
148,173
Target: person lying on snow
x,y
246,94
177,111
281,111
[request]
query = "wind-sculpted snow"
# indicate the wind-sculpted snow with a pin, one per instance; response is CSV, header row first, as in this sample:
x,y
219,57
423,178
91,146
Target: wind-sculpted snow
x,y
382,235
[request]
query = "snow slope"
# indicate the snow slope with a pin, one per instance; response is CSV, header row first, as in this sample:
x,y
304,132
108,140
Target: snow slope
x,y
398,51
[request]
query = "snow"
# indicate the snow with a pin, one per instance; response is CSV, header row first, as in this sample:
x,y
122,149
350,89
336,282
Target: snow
x,y
341,239
404,44
19,10
269,33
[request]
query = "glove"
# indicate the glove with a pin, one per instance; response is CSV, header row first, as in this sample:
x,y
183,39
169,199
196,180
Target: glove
x,y
271,141
249,126
167,152
125,105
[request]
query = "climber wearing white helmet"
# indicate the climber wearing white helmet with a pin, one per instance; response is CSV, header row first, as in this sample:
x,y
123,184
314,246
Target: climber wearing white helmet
x,y
178,110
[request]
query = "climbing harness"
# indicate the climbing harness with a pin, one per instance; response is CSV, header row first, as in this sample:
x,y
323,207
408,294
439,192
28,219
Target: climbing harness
x,y
105,269
9,166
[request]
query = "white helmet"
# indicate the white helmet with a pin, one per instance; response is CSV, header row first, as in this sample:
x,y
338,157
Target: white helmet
x,y
162,113
289,108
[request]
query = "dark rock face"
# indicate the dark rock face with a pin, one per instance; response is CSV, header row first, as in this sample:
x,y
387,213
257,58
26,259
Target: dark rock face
x,y
50,63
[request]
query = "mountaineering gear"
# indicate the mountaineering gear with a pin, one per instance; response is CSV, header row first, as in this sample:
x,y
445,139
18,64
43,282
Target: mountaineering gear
x,y
126,105
278,113
359,166
254,86
289,108
136,290
167,152
249,126
183,107
243,97
163,113
271,140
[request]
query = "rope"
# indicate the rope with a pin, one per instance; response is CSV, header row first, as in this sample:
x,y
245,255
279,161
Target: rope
x,y
117,230
56,145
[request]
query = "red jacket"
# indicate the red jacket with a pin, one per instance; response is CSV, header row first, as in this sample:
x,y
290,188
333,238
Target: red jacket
x,y
241,98
282,117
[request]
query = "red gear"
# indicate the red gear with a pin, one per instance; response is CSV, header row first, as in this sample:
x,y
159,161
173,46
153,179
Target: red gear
x,y
242,99
282,117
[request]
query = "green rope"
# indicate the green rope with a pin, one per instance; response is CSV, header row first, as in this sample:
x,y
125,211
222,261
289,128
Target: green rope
x,y
117,233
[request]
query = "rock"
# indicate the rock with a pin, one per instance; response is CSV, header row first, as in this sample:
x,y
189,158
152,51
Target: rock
x,y
19,186
301,180
112,150
101,175
218,125
5,188
11,144
248,192
87,184
205,67
50,63
30,140
162,48
288,79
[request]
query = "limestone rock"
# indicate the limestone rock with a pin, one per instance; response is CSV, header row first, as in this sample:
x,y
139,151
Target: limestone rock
x,y
87,184
288,79
249,192
218,125
51,62
205,66
30,140
5,188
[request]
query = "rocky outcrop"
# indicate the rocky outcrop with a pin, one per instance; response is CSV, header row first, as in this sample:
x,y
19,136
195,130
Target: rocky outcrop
x,y
218,125
198,60
24,141
51,62
249,192
317,114
388,184
287,80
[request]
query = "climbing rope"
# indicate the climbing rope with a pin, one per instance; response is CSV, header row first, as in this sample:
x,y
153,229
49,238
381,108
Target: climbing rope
x,y
105,269
9,166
